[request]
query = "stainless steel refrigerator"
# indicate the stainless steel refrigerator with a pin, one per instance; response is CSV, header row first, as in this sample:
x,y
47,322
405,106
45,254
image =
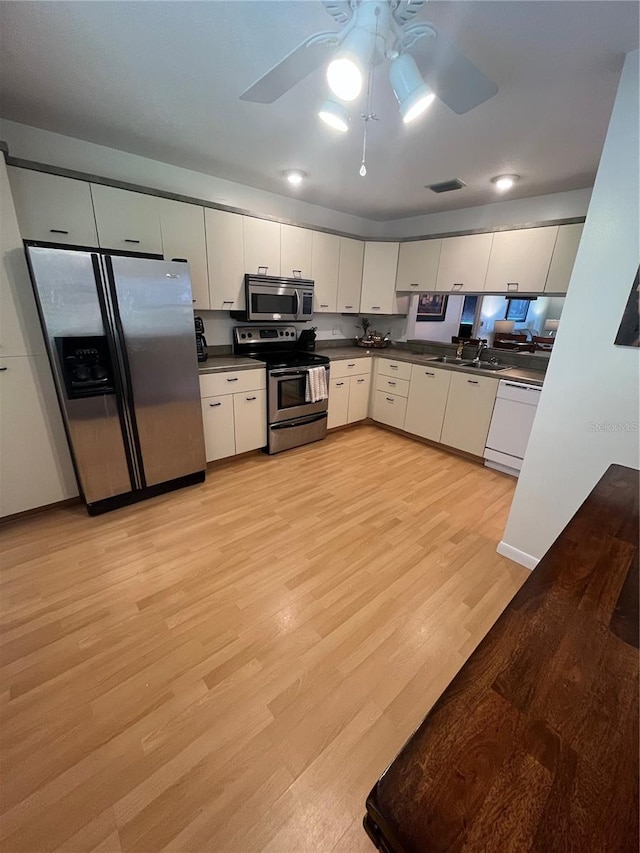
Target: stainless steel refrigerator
x,y
120,336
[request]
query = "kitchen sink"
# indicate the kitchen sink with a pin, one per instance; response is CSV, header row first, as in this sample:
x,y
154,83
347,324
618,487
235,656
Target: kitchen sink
x,y
484,365
448,359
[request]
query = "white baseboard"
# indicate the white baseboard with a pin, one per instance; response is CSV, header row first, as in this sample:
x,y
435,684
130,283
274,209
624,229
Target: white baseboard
x,y
517,556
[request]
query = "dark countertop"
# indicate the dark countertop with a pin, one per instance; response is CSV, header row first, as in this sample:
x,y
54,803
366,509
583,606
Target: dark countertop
x,y
520,374
228,361
534,744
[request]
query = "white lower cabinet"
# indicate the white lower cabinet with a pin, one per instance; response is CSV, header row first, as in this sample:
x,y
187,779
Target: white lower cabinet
x,y
349,391
427,401
389,409
219,433
234,412
250,420
468,412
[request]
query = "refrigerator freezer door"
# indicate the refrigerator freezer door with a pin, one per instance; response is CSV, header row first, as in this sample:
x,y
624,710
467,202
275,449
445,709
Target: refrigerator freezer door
x,y
67,285
154,310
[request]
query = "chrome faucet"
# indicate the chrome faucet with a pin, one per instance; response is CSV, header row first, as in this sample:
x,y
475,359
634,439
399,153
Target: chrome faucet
x,y
482,346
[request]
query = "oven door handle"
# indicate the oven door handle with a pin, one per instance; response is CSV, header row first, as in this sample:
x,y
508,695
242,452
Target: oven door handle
x,y
289,373
300,422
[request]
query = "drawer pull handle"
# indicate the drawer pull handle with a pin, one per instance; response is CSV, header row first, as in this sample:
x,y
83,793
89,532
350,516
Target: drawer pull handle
x,y
4,368
227,301
353,364
57,231
391,383
393,366
359,381
324,306
427,373
513,285
262,268
348,306
214,404
458,284
180,261
131,241
297,273
472,381
235,379
413,284
249,399
375,307
339,383
390,400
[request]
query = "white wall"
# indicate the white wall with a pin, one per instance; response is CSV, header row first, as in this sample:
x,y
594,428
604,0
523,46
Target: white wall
x,y
588,413
442,331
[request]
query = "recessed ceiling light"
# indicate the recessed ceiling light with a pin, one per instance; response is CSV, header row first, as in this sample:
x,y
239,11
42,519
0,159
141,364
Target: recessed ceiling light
x,y
505,182
295,176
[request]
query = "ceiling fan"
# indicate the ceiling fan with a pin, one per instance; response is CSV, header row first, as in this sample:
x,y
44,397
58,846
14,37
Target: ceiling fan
x,y
424,64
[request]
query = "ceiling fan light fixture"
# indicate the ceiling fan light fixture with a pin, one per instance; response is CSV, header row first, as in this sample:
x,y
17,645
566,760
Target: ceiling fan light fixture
x,y
295,176
335,115
347,69
413,94
505,182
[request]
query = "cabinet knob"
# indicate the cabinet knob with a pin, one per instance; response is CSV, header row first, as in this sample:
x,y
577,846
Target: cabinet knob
x,y
351,365
3,368
324,306
180,260
413,284
390,383
393,366
298,274
359,381
513,285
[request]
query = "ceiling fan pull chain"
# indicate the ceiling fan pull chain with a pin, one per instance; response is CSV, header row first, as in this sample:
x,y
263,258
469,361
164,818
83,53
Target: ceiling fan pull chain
x,y
368,115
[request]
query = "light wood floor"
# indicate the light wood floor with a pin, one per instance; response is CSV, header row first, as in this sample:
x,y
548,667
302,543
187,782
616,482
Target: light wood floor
x,y
228,668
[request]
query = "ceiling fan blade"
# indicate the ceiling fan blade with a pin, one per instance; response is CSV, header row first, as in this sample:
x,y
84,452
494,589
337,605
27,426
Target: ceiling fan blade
x,y
292,69
453,78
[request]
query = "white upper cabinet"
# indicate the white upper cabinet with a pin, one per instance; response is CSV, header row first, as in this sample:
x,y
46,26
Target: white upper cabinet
x,y
127,221
183,239
519,260
463,263
379,278
261,246
418,266
325,261
53,209
564,255
350,275
295,251
225,259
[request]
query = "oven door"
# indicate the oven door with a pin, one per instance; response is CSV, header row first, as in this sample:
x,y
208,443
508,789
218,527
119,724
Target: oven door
x,y
287,388
273,302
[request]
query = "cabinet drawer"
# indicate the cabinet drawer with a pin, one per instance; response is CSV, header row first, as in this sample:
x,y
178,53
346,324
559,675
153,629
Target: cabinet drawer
x,y
232,382
393,385
388,367
389,409
349,367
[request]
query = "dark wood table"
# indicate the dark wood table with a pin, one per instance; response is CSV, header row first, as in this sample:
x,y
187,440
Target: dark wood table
x,y
534,745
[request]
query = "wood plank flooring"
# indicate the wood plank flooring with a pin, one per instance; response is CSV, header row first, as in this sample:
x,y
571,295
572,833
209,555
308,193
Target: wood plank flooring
x,y
230,667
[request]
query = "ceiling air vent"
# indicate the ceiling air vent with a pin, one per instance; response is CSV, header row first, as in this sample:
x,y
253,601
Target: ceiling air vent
x,y
447,186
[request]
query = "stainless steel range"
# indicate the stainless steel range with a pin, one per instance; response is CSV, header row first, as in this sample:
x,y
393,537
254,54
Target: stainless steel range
x,y
291,420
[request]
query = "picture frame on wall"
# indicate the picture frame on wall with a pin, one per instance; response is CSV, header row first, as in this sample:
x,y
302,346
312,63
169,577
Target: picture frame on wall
x,y
629,329
517,310
432,307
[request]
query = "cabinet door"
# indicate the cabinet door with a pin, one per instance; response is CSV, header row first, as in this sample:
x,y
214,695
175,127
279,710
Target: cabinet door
x,y
463,263
225,260
428,392
250,414
261,246
127,221
217,419
379,278
183,239
53,209
338,402
358,397
519,260
325,260
295,251
562,260
418,265
389,409
35,465
350,275
468,413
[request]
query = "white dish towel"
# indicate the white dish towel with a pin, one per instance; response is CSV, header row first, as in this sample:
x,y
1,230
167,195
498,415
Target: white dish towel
x,y
316,388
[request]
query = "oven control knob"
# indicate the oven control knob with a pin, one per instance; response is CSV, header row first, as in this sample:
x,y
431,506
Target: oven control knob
x,y
243,335
282,333
249,335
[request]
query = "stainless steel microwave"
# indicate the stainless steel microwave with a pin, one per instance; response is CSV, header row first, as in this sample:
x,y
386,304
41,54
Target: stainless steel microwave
x,y
271,298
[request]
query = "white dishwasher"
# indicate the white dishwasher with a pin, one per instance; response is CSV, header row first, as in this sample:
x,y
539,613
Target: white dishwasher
x,y
511,424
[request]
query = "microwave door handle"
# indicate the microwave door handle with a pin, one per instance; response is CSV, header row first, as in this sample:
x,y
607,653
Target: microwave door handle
x,y
298,305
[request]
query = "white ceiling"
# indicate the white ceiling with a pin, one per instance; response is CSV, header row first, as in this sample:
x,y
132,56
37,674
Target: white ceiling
x,y
163,79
